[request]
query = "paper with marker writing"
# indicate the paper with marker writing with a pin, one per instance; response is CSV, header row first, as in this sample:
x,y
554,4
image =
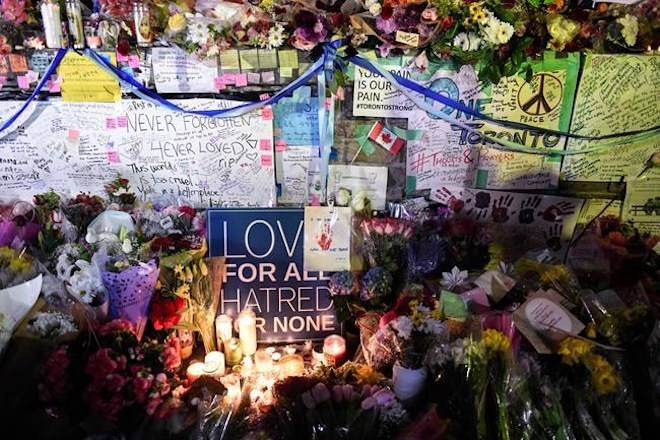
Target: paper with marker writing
x,y
642,205
292,173
204,161
249,59
288,58
267,59
297,121
84,81
176,71
327,244
532,221
617,93
372,180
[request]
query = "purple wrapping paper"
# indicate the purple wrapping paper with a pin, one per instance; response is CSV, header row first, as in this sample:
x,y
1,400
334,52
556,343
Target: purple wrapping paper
x,y
9,232
130,293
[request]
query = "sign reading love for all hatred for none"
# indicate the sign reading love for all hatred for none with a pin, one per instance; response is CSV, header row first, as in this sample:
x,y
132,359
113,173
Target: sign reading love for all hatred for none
x,y
264,272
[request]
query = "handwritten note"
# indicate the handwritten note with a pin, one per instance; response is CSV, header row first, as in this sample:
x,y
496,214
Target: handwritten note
x,y
407,38
369,180
642,205
84,81
204,161
532,221
327,242
293,165
297,121
617,93
176,71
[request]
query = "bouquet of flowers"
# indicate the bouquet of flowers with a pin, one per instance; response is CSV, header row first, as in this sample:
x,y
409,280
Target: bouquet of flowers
x,y
52,233
81,210
119,193
113,376
52,325
173,219
18,225
82,277
385,244
466,243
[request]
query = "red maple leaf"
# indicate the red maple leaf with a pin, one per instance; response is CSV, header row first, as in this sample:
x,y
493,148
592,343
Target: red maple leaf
x,y
386,137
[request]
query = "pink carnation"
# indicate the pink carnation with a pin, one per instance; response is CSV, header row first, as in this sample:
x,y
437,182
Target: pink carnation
x,y
101,363
13,11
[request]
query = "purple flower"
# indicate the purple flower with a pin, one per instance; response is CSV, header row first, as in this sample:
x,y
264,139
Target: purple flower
x,y
386,26
377,282
342,283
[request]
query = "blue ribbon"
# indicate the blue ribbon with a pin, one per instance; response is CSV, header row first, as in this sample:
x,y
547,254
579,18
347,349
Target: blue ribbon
x,y
457,105
42,82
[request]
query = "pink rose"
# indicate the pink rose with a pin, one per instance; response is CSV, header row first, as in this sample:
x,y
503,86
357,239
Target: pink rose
x,y
430,14
171,359
153,405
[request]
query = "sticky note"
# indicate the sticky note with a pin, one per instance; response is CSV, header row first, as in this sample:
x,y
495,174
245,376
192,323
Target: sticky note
x,y
267,113
241,80
113,157
249,59
229,60
54,84
110,123
229,78
264,97
134,61
267,59
219,83
315,200
122,121
253,78
84,81
280,146
3,81
286,72
268,77
32,76
288,58
267,161
23,82
18,63
265,145
73,134
122,58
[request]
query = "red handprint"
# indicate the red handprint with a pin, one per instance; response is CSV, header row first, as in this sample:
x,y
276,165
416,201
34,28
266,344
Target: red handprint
x,y
324,239
500,212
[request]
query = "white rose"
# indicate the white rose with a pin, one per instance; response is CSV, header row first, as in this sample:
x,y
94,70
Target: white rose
x,y
375,9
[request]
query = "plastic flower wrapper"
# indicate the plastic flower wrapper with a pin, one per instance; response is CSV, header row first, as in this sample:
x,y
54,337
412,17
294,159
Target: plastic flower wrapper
x,y
18,225
222,415
161,218
54,228
426,252
119,193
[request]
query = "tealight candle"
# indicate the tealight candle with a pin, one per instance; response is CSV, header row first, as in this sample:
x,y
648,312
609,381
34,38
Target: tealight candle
x,y
247,366
334,349
263,361
247,332
223,329
214,363
194,371
291,365
233,352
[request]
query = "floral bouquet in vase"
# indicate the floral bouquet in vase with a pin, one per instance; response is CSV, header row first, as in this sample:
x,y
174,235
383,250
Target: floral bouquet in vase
x,y
385,244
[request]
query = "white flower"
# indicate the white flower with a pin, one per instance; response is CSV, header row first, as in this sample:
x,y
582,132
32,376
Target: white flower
x,y
375,9
455,278
127,246
198,28
403,326
276,36
360,201
497,32
342,197
84,284
630,28
433,327
504,32
369,3
48,325
467,41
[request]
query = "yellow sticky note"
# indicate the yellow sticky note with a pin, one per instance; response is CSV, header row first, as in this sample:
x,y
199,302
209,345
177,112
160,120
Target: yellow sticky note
x,y
84,81
286,72
267,59
249,59
229,60
288,58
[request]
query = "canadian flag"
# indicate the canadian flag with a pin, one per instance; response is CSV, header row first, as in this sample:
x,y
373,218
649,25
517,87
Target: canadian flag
x,y
385,138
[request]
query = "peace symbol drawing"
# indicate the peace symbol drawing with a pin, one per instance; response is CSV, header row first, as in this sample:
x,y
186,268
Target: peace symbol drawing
x,y
541,95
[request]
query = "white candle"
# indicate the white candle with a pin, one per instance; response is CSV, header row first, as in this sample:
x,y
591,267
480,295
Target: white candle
x,y
247,331
334,349
50,13
194,371
291,365
214,363
223,329
263,361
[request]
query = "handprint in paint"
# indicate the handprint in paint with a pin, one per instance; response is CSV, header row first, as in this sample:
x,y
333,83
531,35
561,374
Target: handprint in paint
x,y
553,237
324,239
500,212
527,209
555,213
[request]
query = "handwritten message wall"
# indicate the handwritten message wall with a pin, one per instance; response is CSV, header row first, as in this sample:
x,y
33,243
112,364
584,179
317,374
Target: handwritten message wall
x,y
81,146
449,154
617,93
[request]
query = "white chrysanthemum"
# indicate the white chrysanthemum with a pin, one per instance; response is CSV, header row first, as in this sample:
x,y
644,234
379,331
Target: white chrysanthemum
x,y
49,325
375,9
198,28
403,326
467,41
630,28
276,36
85,284
504,32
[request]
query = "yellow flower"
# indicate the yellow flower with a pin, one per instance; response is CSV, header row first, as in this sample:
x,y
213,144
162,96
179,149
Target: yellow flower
x,y
604,381
182,291
178,269
368,375
561,29
176,23
495,341
474,8
417,318
573,350
203,268
437,314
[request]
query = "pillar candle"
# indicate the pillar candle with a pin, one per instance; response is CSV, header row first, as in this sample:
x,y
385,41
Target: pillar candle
x,y
247,332
291,365
263,361
334,349
233,352
223,329
194,371
214,363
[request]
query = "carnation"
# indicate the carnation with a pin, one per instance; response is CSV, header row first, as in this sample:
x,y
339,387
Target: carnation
x,y
629,29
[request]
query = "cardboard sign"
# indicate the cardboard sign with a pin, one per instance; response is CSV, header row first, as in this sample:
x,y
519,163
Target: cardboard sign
x,y
264,272
327,238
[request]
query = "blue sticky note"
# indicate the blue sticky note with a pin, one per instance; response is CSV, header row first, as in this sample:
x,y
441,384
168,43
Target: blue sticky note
x,y
297,121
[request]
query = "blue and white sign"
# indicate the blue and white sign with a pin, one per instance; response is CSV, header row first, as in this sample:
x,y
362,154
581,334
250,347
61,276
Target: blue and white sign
x,y
264,272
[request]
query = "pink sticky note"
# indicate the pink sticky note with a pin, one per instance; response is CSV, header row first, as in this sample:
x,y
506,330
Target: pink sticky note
x,y
267,161
32,76
241,80
265,145
23,82
267,113
253,78
113,157
280,145
264,97
122,58
122,121
73,133
315,200
229,78
110,123
268,77
219,83
134,61
54,86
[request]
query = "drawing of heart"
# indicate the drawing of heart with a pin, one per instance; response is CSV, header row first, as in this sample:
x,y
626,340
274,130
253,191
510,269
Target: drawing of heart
x,y
252,156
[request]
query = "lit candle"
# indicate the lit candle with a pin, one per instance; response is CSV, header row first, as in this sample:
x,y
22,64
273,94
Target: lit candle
x,y
233,352
263,361
247,331
223,329
214,363
233,384
194,371
247,366
291,365
334,349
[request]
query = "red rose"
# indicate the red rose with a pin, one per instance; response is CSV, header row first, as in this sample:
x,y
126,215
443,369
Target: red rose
x,y
188,211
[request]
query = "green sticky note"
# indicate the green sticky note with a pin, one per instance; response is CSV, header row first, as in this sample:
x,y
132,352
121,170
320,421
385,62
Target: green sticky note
x,y
411,184
482,179
249,59
453,305
267,59
288,58
229,60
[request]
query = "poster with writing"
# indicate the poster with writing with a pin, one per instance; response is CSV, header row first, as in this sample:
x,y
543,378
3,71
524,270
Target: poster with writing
x,y
327,238
617,94
449,154
176,71
84,81
642,205
593,208
264,272
293,165
81,146
296,121
374,96
369,180
532,221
